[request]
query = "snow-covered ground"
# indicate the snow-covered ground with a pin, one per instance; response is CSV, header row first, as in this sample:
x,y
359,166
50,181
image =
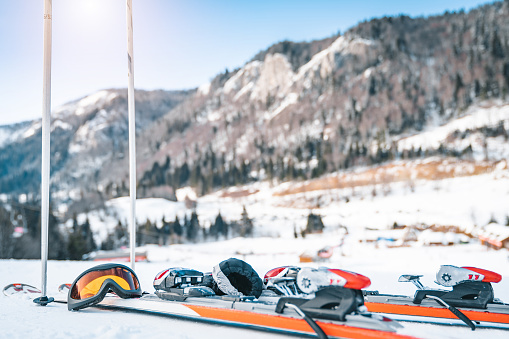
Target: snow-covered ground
x,y
468,202
465,201
21,318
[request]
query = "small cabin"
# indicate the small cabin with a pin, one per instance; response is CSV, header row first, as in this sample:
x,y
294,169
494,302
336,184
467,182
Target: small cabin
x,y
494,236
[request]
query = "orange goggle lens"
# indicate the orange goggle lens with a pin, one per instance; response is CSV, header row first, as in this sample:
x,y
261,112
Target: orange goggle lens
x,y
90,284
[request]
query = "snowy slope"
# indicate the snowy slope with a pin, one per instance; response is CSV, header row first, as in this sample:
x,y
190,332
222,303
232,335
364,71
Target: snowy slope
x,y
477,116
12,133
465,201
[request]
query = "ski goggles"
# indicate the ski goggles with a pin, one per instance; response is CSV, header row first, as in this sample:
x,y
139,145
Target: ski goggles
x,y
92,285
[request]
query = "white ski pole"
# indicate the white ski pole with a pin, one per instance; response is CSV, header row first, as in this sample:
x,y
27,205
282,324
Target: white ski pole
x,y
132,129
45,169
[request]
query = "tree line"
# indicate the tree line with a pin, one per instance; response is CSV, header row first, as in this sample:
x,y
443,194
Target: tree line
x,y
188,229
20,231
314,158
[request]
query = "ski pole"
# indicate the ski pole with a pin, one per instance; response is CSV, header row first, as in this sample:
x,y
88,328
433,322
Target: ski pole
x,y
132,130
45,168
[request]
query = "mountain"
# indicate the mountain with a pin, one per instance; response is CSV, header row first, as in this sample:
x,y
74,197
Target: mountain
x,y
299,110
296,110
85,134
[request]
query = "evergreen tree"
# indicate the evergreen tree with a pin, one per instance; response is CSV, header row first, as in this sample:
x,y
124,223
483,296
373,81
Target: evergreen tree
x,y
497,49
57,244
219,227
77,246
246,224
270,169
88,236
177,227
109,243
120,235
196,175
314,223
6,231
166,231
193,228
184,175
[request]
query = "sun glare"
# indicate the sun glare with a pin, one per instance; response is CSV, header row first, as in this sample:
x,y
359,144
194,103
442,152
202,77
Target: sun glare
x,y
91,6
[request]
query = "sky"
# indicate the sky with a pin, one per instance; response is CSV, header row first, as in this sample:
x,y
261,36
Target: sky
x,y
177,44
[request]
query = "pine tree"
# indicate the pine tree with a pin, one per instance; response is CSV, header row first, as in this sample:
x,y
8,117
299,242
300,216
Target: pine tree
x,y
314,223
76,246
193,227
166,231
246,224
497,49
219,227
88,236
109,243
177,227
6,231
120,235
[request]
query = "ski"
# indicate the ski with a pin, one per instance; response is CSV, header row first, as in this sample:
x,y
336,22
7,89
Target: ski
x,y
233,294
19,288
261,314
267,313
64,288
472,296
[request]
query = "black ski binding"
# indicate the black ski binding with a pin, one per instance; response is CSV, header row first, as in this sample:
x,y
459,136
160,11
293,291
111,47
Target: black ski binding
x,y
475,294
471,286
330,302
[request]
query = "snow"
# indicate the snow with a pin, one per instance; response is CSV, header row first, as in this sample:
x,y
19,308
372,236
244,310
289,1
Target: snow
x,y
495,231
60,124
12,133
88,135
244,77
467,202
275,77
34,128
186,192
204,89
324,61
21,318
93,99
475,117
289,100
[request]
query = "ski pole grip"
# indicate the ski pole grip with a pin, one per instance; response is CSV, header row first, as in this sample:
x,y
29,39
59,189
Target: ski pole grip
x,y
463,317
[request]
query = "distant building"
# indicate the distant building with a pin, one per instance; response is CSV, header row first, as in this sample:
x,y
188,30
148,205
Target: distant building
x,y
494,236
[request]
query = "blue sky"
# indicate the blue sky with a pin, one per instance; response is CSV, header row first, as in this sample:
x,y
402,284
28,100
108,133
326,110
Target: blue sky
x,y
177,44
